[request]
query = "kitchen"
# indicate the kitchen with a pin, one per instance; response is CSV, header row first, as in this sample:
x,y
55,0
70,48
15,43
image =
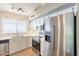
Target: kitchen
x,y
45,32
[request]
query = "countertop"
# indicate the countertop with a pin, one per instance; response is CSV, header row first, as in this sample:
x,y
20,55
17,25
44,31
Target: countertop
x,y
5,38
10,37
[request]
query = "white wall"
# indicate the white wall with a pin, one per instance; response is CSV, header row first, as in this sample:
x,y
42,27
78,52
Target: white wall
x,y
78,30
0,24
69,33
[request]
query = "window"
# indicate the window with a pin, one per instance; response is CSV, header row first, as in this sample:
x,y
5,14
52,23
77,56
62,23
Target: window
x,y
21,26
33,25
13,26
9,26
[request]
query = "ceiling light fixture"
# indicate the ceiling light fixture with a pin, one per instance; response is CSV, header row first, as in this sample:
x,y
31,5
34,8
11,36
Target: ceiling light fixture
x,y
19,11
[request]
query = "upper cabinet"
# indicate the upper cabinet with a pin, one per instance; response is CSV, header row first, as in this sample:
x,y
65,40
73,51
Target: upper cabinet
x,y
47,24
41,24
37,24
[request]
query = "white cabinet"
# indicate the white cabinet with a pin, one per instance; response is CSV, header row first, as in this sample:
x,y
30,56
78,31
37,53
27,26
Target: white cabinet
x,y
42,48
35,24
42,43
47,24
28,42
48,49
45,47
21,42
13,46
17,44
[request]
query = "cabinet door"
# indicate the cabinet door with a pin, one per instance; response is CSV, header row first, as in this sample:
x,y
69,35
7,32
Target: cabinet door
x,y
42,46
22,41
17,44
13,45
29,42
47,49
47,24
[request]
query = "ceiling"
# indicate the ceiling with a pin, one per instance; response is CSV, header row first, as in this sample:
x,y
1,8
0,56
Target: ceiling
x,y
27,7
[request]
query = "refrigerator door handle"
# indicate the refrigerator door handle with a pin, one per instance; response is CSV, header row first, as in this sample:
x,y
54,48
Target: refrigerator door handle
x,y
54,38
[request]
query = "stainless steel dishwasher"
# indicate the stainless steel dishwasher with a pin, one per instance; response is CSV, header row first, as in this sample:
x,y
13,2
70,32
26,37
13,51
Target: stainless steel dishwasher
x,y
4,47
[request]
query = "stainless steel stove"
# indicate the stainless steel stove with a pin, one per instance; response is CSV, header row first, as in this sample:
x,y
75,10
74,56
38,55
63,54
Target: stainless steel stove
x,y
36,45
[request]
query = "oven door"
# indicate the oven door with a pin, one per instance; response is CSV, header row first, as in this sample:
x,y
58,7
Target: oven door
x,y
36,47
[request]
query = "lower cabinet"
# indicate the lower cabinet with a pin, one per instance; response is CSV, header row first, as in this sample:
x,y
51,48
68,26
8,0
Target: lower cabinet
x,y
19,43
42,49
48,49
29,42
